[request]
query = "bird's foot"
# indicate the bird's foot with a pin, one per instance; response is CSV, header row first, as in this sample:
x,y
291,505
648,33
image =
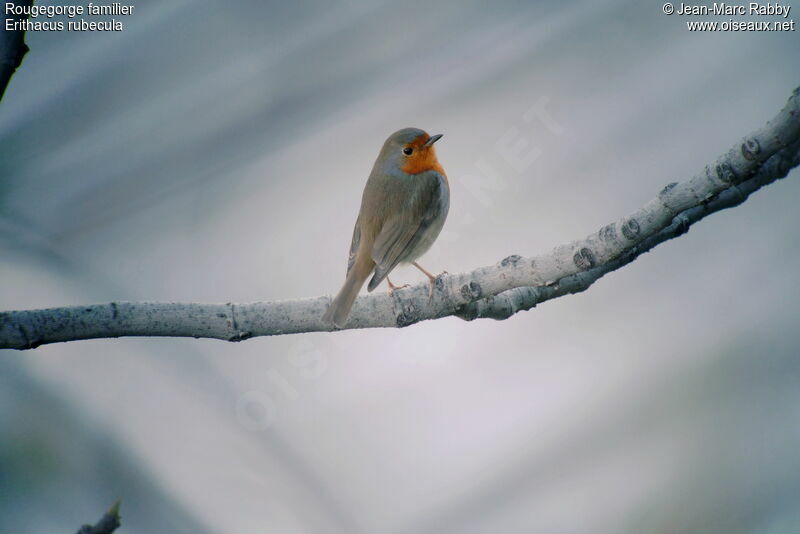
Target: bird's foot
x,y
393,288
431,278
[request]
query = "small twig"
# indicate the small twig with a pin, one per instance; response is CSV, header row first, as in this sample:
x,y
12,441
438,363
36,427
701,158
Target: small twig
x,y
12,47
107,524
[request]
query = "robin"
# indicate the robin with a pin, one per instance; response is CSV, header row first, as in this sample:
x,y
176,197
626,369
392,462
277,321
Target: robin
x,y
403,208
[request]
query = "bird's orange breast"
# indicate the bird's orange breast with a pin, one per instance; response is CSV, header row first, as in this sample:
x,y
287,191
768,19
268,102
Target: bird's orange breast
x,y
423,158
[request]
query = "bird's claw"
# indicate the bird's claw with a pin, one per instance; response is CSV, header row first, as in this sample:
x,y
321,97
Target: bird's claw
x,y
432,284
393,288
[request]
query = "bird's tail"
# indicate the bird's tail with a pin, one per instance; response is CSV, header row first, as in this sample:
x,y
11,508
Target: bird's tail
x,y
340,307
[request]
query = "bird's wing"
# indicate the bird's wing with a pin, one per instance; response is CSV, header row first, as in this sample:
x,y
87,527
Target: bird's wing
x,y
354,246
401,233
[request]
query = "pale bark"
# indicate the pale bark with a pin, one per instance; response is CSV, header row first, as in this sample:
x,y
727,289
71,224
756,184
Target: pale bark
x,y
496,291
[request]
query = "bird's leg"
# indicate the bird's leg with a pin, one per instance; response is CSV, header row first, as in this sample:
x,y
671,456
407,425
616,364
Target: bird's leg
x,y
431,277
393,287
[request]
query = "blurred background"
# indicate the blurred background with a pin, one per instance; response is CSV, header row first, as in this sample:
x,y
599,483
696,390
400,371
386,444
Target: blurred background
x,y
216,151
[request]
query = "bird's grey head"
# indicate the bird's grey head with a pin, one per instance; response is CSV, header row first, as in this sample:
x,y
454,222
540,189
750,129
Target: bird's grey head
x,y
403,145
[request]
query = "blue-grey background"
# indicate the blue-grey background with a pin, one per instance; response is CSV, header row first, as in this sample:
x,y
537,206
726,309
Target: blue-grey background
x,y
216,151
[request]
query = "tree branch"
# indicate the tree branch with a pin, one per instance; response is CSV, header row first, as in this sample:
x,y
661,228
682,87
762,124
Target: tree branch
x,y
497,291
12,47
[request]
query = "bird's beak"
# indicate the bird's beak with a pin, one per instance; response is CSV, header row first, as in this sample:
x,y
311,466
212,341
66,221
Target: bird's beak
x,y
432,140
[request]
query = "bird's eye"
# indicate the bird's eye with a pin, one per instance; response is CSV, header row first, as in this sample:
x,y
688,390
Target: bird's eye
x,y
408,150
